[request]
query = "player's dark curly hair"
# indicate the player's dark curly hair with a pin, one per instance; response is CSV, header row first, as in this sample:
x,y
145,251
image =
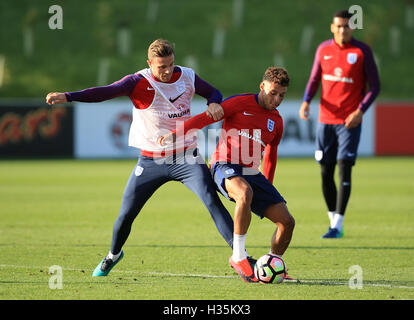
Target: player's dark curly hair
x,y
277,75
343,14
160,48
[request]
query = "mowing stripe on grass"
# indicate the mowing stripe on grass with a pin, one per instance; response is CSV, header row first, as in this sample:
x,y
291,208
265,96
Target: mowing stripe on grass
x,y
182,275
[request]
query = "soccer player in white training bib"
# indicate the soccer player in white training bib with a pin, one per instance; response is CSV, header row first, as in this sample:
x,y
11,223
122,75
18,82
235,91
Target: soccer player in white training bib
x,y
161,95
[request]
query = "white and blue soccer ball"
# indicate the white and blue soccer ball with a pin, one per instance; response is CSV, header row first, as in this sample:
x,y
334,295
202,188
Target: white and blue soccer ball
x,y
270,269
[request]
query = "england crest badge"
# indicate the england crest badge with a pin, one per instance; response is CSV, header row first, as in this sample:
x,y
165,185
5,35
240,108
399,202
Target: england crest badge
x,y
351,58
270,125
138,170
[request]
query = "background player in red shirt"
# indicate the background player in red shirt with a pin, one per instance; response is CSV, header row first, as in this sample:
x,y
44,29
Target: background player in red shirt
x,y
252,130
344,66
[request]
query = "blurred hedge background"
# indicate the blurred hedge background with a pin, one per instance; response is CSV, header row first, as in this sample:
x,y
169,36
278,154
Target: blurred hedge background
x,y
228,42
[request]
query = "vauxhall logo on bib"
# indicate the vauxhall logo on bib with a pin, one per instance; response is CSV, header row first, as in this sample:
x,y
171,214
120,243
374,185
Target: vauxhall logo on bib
x,y
351,57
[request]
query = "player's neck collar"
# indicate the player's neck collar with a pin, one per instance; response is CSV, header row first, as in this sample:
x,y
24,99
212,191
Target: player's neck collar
x,y
176,75
259,101
256,97
344,45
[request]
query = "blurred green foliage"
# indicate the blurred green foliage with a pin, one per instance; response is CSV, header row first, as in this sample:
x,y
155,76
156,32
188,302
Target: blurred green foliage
x,y
68,59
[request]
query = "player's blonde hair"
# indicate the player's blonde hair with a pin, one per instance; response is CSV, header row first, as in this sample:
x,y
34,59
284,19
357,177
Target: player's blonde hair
x,y
277,75
160,48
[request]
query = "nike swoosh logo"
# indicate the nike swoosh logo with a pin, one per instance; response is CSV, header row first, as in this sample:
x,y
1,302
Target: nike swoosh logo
x,y
327,57
248,114
149,88
173,100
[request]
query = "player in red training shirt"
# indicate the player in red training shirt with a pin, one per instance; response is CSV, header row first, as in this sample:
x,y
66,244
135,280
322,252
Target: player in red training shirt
x,y
252,130
344,66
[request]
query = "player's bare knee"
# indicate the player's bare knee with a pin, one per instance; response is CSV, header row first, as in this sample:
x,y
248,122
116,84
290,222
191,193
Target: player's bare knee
x,y
243,196
287,221
246,195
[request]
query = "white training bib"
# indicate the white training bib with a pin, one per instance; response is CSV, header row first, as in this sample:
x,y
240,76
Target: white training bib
x,y
170,107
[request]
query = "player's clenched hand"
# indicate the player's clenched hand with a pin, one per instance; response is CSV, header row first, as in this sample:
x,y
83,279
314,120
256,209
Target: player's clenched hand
x,y
215,111
304,110
166,139
55,98
354,119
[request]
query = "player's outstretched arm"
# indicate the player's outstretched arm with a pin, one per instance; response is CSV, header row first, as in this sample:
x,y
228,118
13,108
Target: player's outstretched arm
x,y
123,87
56,98
213,96
195,123
215,111
198,122
166,139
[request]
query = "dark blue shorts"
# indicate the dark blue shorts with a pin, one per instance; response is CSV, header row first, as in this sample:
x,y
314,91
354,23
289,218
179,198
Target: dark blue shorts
x,y
335,142
264,193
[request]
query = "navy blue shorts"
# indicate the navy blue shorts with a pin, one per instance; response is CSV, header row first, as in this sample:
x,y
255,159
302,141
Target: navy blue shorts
x,y
335,142
264,193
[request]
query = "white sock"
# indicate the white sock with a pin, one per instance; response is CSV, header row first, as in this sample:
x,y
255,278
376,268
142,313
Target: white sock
x,y
239,252
338,221
331,215
274,254
113,257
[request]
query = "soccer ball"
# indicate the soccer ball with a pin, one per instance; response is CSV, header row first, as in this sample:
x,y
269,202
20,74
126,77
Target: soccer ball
x,y
270,269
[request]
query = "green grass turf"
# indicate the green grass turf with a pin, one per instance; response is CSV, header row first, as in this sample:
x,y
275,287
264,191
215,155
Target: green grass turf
x,y
61,212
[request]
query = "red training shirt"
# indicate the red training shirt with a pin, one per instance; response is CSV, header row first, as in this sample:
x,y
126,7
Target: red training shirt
x,y
249,134
344,72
